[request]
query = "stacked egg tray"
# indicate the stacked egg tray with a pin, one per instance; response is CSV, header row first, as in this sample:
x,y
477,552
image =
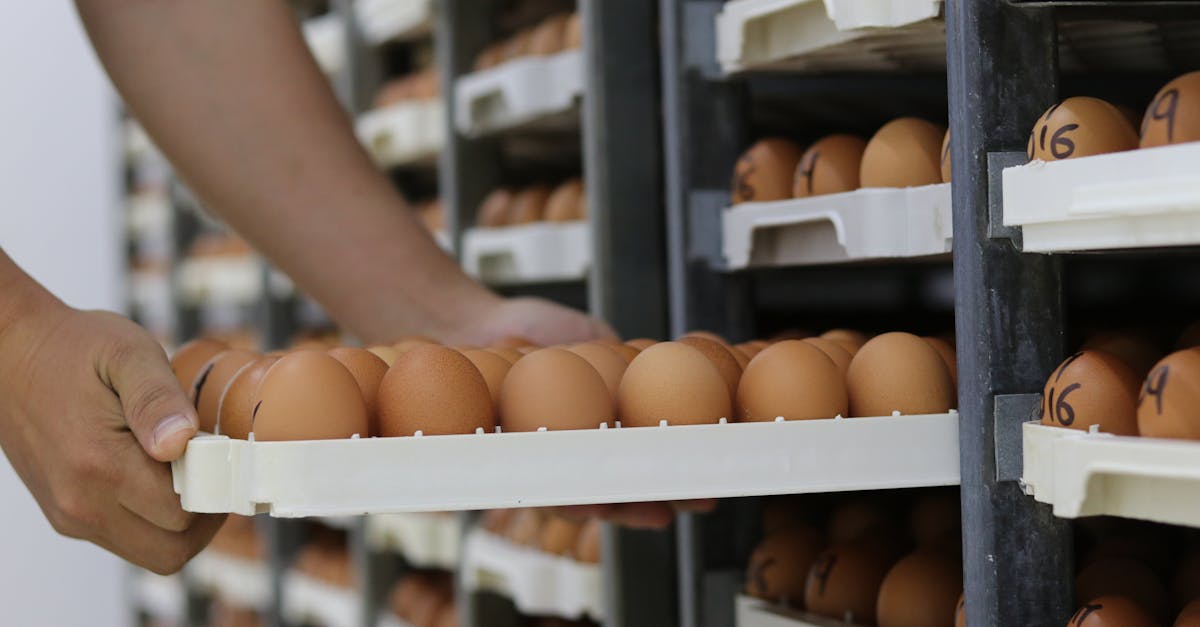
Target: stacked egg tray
x,y
530,90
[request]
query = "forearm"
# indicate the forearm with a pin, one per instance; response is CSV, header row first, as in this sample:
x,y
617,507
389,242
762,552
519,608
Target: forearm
x,y
231,95
20,295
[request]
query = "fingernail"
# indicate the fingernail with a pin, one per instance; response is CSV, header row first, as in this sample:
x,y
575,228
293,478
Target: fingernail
x,y
170,426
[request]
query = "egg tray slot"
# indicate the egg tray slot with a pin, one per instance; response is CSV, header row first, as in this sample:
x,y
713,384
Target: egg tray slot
x,y
406,133
1135,199
540,252
752,612
529,92
381,21
537,582
861,225
238,581
549,468
426,540
1091,474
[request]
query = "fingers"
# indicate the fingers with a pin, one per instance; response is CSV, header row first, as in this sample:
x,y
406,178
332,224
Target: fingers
x,y
155,407
134,539
146,489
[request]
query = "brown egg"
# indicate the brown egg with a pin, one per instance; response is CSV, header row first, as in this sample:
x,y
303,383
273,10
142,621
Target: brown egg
x,y
854,519
673,382
308,395
513,341
525,350
1080,127
495,208
494,369
497,520
641,343
834,351
781,512
191,357
792,379
587,549
765,171
905,152
829,166
708,335
447,616
960,612
1132,347
741,359
607,363
750,349
934,518
779,566
1173,117
237,401
529,205
385,353
946,157
573,35
949,357
849,339
1123,576
490,57
511,355
921,590
563,204
416,600
626,352
434,390
720,357
559,535
519,45
1189,616
525,526
1112,611
1169,402
211,381
550,35
555,389
1092,388
843,583
367,370
413,341
898,372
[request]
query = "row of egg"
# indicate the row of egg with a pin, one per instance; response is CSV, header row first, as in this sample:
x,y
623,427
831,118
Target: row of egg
x,y
1083,126
505,206
1118,384
437,390
546,531
554,34
423,85
425,599
906,152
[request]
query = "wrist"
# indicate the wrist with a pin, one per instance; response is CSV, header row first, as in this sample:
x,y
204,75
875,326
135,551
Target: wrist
x,y
464,309
21,299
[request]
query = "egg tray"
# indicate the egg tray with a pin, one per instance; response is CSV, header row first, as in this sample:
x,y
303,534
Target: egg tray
x,y
381,21
539,252
537,92
1091,474
860,225
537,583
425,540
158,596
752,612
237,581
1135,199
326,39
406,133
548,468
308,601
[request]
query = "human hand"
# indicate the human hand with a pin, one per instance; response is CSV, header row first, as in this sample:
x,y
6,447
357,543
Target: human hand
x,y
89,413
540,321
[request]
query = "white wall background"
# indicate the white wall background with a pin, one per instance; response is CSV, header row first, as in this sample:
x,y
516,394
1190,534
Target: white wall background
x,y
59,220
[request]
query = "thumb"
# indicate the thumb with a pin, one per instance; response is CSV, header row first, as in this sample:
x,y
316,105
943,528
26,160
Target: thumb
x,y
155,407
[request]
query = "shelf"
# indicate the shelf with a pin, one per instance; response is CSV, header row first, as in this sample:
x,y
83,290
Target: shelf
x,y
158,596
831,35
424,540
540,252
752,612
1136,199
326,38
530,92
407,133
237,581
307,601
538,583
853,226
224,280
503,470
381,21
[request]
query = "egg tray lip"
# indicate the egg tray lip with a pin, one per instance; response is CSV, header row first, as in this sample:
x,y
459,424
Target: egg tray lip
x,y
404,133
752,612
551,468
242,582
523,92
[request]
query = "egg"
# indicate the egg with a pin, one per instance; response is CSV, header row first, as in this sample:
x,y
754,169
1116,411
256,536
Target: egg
x,y
1173,117
587,549
518,46
489,57
308,395
673,382
511,355
720,357
417,600
921,590
555,389
843,583
434,390
1133,348
792,379
494,369
385,353
1112,611
367,370
854,519
707,335
829,166
626,352
834,351
905,152
750,349
1080,127
946,157
513,341
237,401
211,381
529,205
447,616
559,535
525,526
781,512
408,343
610,365
960,612
936,519
573,33
1092,388
949,356
641,343
496,208
563,204
780,563
1169,401
849,339
496,520
550,35
191,357
898,372
1189,616
765,171
1123,576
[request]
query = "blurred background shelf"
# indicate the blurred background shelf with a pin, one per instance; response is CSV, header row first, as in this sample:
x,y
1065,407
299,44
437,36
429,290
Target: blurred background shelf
x,y
540,252
753,612
531,92
383,21
424,540
406,133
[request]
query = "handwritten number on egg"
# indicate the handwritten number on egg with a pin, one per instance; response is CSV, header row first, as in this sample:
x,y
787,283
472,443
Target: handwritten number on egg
x,y
1154,386
1062,147
1163,108
742,181
807,167
1060,408
824,570
1085,611
1070,360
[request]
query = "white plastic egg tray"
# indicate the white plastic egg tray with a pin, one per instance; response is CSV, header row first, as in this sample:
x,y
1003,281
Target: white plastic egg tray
x,y
539,252
237,581
548,468
405,133
831,35
1135,199
222,280
426,540
381,21
160,597
1090,474
530,91
752,612
536,582
307,601
326,38
864,224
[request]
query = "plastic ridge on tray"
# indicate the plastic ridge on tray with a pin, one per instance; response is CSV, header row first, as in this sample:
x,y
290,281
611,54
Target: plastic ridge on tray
x,y
537,582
